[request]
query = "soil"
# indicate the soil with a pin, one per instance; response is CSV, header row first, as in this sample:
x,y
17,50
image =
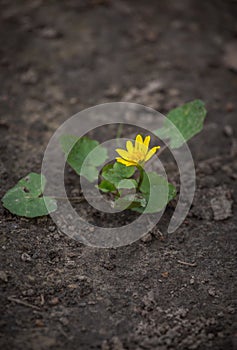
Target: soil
x,y
166,291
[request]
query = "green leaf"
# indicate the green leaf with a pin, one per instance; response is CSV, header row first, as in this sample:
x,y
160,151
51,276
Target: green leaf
x,y
130,201
25,199
78,149
123,170
67,142
157,191
117,172
188,119
125,185
106,186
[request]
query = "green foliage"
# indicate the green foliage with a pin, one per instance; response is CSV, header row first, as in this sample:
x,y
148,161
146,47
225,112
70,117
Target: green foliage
x,y
130,201
25,199
127,184
77,151
115,173
85,155
106,186
188,119
157,191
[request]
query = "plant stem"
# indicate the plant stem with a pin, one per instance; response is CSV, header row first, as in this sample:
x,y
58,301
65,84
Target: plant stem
x,y
141,177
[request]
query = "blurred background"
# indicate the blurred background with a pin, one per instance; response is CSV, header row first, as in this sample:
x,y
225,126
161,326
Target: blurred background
x,y
59,57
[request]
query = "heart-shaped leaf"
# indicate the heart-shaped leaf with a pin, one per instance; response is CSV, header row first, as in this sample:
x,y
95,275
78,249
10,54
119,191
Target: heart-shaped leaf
x,y
77,150
188,119
26,198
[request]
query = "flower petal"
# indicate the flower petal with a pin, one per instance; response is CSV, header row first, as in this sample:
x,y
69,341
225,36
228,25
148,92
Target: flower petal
x,y
124,154
125,162
151,153
147,141
138,142
129,146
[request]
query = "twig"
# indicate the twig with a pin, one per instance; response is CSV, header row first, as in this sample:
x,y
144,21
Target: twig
x,y
22,302
186,263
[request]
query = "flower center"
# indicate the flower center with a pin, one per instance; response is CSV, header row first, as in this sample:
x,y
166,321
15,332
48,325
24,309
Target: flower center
x,y
137,155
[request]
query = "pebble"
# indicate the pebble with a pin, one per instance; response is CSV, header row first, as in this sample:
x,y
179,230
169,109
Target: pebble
x,y
54,301
221,203
147,238
229,107
29,77
52,228
39,323
228,130
113,91
72,286
3,276
29,292
50,33
174,92
165,274
212,292
64,321
70,263
25,257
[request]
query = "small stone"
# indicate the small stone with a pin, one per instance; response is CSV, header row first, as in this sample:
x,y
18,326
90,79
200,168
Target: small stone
x,y
105,345
231,309
117,344
151,36
72,286
52,228
165,274
82,304
221,203
39,323
3,276
50,33
64,321
212,292
70,263
113,91
174,92
229,107
211,336
192,280
29,292
220,334
25,257
29,77
73,101
147,238
228,130
54,301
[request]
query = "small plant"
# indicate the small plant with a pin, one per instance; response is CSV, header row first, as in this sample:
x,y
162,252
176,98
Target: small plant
x,y
126,180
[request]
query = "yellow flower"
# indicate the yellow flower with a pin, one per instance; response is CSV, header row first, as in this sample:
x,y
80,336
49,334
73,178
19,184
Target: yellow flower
x,y
138,154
